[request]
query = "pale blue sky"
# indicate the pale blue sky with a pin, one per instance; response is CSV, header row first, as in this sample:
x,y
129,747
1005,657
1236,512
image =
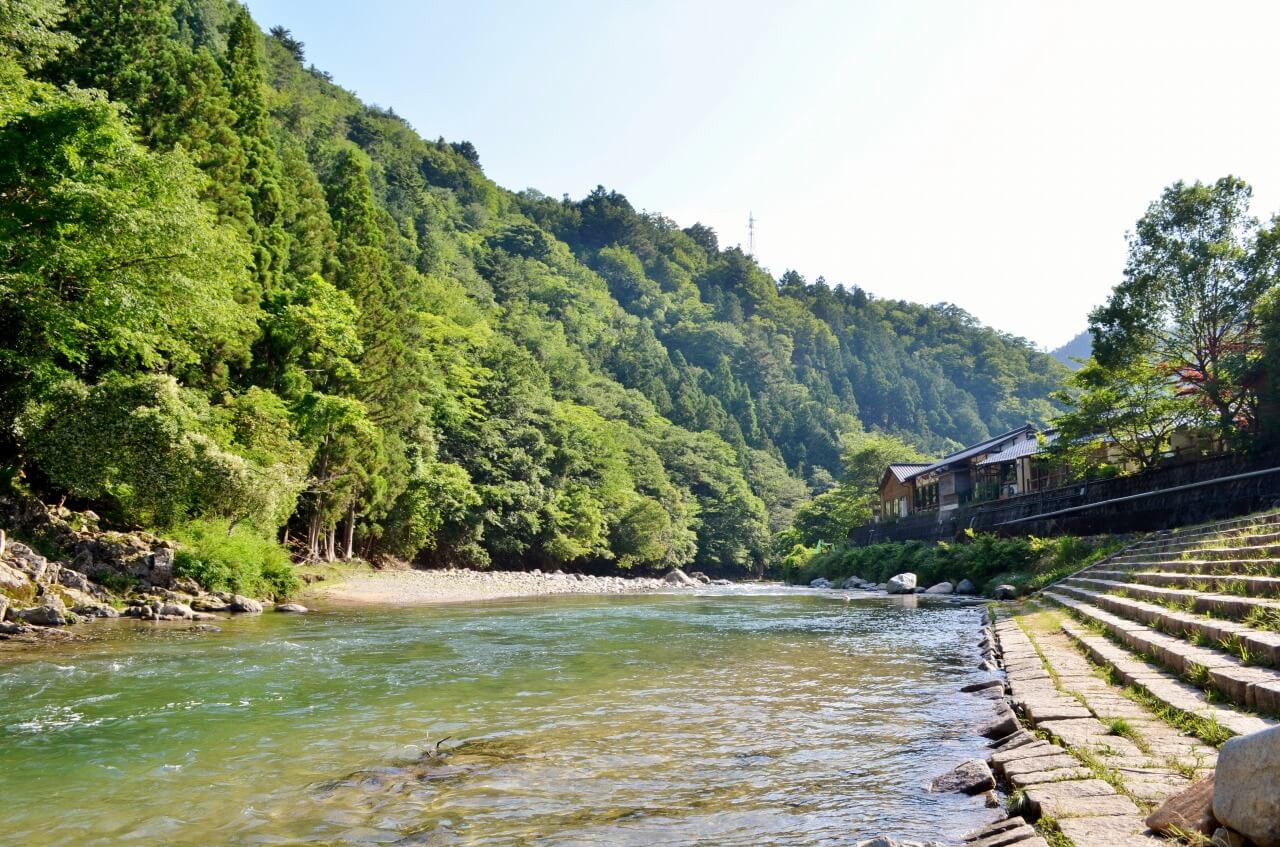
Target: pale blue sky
x,y
991,154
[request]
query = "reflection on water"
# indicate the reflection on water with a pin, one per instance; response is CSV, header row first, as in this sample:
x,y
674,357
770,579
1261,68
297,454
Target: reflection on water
x,y
738,719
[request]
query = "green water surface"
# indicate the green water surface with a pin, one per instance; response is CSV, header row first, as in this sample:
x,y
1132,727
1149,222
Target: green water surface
x,y
743,718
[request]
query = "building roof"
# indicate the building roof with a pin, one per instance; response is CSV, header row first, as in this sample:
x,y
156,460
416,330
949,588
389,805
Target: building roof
x,y
904,471
975,449
1029,447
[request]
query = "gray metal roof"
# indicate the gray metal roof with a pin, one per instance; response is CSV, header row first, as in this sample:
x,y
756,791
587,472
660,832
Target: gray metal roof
x,y
904,471
1029,447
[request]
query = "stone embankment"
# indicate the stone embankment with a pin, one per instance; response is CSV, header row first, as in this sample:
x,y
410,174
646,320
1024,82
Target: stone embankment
x,y
1149,711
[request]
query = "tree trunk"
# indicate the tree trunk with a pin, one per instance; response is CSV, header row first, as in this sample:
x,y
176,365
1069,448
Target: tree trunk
x,y
351,534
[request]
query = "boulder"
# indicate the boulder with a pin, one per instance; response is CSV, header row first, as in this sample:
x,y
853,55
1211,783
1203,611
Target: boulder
x,y
1004,592
15,581
940,588
903,583
1004,723
820,582
177,610
700,577
675,576
721,582
240,603
853,582
95,610
1188,811
51,613
1245,798
209,603
966,587
292,608
186,585
971,777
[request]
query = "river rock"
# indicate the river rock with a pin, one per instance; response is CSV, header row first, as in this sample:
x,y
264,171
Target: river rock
x,y
1245,798
1187,811
1223,837
95,610
820,582
293,608
721,582
675,576
700,577
903,583
187,585
982,686
209,603
966,587
1004,592
940,588
52,612
971,777
248,605
177,610
1004,723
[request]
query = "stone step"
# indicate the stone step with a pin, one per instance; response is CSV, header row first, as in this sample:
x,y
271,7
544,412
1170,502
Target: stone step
x,y
1251,586
1252,551
1158,682
1249,687
1231,538
1259,521
1223,605
1225,635
1218,566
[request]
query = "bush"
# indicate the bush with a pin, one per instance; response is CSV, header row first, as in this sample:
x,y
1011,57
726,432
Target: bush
x,y
1029,563
241,560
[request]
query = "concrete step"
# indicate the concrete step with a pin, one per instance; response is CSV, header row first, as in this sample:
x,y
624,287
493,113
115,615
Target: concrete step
x,y
1250,687
1250,551
1231,538
1222,605
1219,566
1160,684
1228,636
1251,586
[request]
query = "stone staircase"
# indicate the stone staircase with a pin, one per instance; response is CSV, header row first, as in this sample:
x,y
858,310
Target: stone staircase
x,y
1191,617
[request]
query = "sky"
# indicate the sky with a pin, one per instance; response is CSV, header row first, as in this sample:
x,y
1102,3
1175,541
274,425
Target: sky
x,y
987,153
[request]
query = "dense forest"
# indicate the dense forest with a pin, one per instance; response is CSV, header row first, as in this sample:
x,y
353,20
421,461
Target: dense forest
x,y
235,294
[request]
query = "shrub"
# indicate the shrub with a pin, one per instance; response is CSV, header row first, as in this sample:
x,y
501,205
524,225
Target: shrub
x,y
240,560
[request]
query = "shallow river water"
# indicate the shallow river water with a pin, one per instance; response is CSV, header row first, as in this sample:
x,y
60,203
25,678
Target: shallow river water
x,y
751,717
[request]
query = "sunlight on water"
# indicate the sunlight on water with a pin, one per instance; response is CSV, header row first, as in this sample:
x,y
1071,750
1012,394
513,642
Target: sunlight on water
x,y
747,718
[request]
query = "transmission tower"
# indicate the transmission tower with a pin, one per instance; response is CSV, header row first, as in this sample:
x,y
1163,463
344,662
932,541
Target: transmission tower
x,y
751,234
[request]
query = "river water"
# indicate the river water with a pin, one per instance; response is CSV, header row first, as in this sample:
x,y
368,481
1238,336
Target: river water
x,y
748,717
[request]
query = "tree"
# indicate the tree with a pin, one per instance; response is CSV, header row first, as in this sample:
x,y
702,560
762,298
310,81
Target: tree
x,y
1133,407
1197,265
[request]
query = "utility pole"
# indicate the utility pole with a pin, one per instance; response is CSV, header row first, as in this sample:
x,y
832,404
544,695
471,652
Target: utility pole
x,y
751,234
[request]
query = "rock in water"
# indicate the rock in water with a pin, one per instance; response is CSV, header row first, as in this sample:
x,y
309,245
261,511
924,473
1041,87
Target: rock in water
x,y
971,777
52,613
675,576
966,587
1188,811
903,583
940,588
854,582
820,582
244,604
294,608
1245,793
1005,592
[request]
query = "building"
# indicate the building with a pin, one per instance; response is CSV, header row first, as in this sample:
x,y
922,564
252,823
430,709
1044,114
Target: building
x,y
998,467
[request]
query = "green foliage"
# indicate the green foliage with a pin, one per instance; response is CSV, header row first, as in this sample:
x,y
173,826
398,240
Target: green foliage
x,y
986,560
222,557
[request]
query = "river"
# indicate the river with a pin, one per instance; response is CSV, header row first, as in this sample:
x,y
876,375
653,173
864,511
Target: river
x,y
747,717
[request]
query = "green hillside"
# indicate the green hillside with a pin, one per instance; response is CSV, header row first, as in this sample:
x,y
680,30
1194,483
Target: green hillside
x,y
237,293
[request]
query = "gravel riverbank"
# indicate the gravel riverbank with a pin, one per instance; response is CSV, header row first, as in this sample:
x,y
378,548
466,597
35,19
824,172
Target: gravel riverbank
x,y
413,587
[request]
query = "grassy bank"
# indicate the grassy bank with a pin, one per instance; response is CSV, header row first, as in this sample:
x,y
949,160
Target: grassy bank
x,y
1027,563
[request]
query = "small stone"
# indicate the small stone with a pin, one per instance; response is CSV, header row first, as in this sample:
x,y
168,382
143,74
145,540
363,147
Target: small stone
x,y
878,841
966,587
903,583
940,588
206,627
1005,592
292,608
1245,798
1188,811
971,777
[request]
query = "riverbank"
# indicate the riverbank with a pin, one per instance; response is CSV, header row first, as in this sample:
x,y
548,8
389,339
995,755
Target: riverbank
x,y
417,587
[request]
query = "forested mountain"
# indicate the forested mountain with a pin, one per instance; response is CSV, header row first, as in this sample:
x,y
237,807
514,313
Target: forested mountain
x,y
234,291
